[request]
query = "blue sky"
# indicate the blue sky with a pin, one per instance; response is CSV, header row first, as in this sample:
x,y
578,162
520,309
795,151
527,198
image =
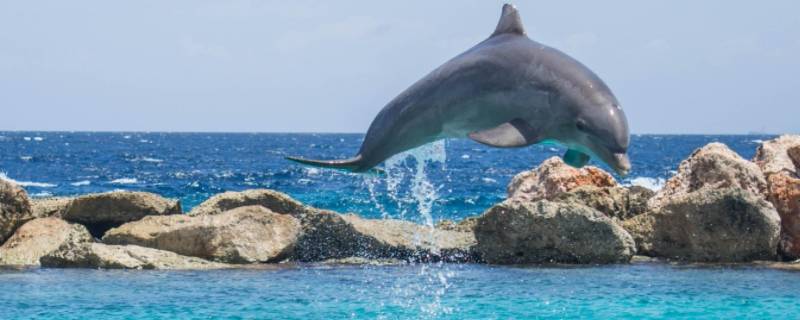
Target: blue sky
x,y
329,66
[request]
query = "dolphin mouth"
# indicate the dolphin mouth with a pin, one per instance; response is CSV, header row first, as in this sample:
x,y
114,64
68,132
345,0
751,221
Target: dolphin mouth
x,y
621,163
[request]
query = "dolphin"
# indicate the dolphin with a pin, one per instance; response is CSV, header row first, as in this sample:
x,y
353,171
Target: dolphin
x,y
507,91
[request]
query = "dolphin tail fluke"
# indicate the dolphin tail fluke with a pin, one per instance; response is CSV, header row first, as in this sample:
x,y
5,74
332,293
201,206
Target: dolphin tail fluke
x,y
354,164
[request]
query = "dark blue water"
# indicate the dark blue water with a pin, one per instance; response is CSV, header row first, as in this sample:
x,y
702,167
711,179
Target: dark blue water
x,y
404,292
195,166
459,178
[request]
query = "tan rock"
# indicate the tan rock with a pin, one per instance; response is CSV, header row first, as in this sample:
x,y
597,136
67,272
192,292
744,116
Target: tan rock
x,y
710,225
15,208
242,235
98,255
50,207
615,202
102,211
465,225
773,156
554,177
39,237
270,199
329,235
520,232
713,166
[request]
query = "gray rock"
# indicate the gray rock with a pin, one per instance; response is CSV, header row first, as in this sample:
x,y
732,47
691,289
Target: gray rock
x,y
39,237
329,235
727,225
15,208
713,166
270,199
521,232
465,225
103,211
242,235
615,202
98,255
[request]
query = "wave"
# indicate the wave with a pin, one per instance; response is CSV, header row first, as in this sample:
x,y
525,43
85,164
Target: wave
x,y
26,158
43,194
81,183
125,181
654,184
3,176
147,159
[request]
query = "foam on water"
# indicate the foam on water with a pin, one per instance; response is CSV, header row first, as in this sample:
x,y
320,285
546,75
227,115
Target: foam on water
x,y
81,183
125,181
3,176
654,184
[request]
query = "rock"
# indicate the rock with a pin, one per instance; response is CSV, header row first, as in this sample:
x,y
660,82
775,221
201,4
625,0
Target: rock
x,y
784,193
103,211
39,237
554,177
242,235
270,199
50,207
329,235
15,208
465,225
615,202
778,159
711,225
773,156
358,261
713,166
520,232
98,255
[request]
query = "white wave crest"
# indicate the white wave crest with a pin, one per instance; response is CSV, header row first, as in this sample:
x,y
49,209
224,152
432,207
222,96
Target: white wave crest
x,y
25,158
654,184
81,183
42,194
125,181
3,176
147,159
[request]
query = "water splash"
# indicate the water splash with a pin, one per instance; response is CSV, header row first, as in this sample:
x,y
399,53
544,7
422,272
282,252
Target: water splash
x,y
405,187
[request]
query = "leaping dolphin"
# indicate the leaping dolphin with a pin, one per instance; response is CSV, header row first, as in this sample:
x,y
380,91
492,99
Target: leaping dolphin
x,y
507,91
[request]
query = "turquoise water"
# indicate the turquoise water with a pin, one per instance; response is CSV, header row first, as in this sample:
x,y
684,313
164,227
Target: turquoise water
x,y
458,178
445,291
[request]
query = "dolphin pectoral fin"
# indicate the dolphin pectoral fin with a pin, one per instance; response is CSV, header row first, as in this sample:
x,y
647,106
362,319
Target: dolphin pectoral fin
x,y
513,134
576,158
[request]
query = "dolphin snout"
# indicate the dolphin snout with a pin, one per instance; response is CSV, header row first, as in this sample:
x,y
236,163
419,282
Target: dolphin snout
x,y
621,163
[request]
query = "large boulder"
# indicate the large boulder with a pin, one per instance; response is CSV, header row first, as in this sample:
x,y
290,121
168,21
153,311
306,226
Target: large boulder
x,y
103,211
270,199
711,225
98,255
242,235
554,177
39,237
616,202
774,156
779,159
15,208
713,166
521,232
329,235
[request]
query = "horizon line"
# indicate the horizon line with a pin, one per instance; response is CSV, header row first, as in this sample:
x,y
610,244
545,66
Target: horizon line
x,y
751,133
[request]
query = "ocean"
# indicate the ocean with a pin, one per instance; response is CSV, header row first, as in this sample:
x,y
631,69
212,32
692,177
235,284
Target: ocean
x,y
450,179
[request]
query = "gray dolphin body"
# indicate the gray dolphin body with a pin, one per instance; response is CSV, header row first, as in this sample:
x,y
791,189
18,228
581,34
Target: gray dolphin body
x,y
507,91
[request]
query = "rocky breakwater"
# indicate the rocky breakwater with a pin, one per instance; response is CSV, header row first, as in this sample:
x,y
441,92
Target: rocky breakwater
x,y
779,160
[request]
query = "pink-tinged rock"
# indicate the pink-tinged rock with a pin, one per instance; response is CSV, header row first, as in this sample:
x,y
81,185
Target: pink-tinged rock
x,y
554,177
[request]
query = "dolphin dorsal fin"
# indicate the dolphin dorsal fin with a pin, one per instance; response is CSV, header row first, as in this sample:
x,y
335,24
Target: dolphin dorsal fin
x,y
510,22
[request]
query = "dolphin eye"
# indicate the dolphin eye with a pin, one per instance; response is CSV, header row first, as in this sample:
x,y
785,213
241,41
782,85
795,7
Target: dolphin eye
x,y
581,125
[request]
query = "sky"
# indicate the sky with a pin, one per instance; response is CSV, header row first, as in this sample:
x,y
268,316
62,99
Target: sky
x,y
679,66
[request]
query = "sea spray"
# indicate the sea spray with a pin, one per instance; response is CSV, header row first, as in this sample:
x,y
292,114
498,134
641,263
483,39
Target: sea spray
x,y
407,186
